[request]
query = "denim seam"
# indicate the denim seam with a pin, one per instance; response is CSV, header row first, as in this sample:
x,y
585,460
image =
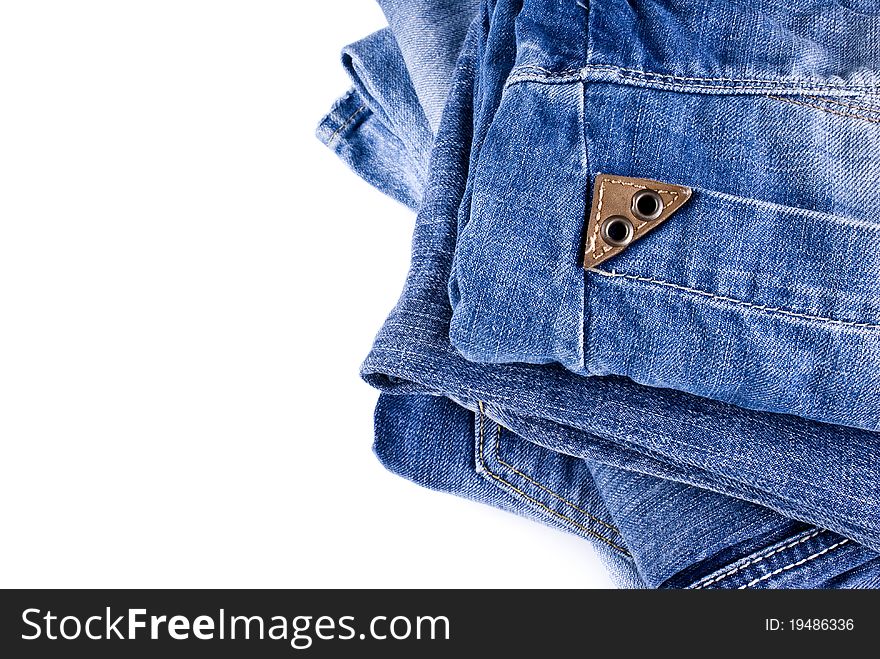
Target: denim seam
x,y
484,465
546,489
840,113
731,300
595,235
533,73
562,77
757,559
345,124
834,101
795,564
722,82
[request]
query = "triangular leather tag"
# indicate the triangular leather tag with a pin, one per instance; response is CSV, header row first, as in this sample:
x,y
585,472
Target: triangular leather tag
x,y
626,209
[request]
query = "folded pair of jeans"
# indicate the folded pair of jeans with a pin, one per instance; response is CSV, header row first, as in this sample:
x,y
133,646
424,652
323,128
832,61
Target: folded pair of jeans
x,y
704,405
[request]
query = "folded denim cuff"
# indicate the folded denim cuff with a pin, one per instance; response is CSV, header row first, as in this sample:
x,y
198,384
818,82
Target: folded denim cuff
x,y
366,145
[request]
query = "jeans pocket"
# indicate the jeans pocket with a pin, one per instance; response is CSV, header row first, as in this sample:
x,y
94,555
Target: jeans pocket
x,y
765,306
553,486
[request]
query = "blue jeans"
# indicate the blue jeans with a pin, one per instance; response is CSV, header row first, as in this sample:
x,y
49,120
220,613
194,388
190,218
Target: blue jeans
x,y
703,406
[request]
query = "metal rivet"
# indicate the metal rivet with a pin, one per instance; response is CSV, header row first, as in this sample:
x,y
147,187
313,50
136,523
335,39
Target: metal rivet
x,y
617,231
647,205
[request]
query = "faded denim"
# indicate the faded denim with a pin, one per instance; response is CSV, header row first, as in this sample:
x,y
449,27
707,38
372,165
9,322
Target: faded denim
x,y
703,407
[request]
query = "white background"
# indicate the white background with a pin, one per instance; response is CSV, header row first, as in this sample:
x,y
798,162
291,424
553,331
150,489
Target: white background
x,y
189,281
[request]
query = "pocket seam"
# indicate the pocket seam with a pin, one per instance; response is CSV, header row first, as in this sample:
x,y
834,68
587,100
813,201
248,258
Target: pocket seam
x,y
711,580
839,113
735,301
483,464
609,73
795,564
805,537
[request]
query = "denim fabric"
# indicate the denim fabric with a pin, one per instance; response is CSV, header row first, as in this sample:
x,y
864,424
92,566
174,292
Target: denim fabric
x,y
429,35
764,290
379,127
678,490
430,440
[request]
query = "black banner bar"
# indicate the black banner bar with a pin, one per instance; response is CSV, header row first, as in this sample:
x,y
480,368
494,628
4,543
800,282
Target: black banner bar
x,y
408,623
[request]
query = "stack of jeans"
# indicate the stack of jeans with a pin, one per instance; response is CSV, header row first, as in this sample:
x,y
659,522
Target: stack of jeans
x,y
704,406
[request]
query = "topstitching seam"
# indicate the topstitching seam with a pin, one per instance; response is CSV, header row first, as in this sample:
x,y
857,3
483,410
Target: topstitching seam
x,y
530,72
795,564
543,487
344,124
732,300
839,113
757,559
482,460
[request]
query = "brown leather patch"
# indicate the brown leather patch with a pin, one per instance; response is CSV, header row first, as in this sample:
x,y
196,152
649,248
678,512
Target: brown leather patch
x,y
626,209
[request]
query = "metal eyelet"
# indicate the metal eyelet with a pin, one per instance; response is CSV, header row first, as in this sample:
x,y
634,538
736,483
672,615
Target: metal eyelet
x,y
647,205
617,231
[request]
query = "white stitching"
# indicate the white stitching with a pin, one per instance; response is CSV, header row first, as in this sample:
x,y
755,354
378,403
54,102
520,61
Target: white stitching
x,y
343,125
560,80
817,82
605,179
534,73
758,559
793,565
743,303
547,72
